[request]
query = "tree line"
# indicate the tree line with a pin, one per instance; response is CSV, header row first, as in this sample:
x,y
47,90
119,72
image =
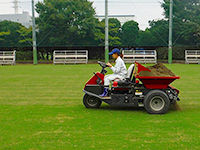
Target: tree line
x,y
73,23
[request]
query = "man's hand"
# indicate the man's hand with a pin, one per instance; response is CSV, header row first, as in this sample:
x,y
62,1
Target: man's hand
x,y
109,65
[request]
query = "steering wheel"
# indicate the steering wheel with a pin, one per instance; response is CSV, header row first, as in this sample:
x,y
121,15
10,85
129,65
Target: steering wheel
x,y
102,64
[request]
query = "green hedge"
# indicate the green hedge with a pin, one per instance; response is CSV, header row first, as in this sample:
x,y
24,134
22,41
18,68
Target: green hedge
x,y
178,52
24,55
98,53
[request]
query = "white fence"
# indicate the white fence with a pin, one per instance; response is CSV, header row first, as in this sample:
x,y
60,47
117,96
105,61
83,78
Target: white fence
x,y
141,56
192,56
70,56
7,57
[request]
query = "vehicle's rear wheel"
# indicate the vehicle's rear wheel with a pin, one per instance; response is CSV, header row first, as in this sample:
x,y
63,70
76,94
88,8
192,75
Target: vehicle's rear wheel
x,y
91,101
156,102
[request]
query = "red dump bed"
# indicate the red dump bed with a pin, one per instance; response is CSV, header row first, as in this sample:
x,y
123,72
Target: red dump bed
x,y
154,82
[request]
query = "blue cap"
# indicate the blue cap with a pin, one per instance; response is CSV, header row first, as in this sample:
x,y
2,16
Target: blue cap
x,y
115,50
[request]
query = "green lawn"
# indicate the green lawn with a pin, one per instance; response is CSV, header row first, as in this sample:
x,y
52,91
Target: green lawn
x,y
41,108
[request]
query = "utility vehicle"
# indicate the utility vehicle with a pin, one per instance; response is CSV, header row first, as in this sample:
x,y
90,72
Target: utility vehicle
x,y
154,93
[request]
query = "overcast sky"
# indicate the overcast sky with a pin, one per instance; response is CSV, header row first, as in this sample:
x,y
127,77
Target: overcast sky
x,y
144,10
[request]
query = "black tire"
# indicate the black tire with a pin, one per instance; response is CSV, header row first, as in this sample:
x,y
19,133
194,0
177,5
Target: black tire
x,y
91,101
156,102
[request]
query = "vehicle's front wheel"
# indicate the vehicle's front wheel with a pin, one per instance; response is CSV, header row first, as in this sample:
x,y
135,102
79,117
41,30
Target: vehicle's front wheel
x,y
91,101
156,102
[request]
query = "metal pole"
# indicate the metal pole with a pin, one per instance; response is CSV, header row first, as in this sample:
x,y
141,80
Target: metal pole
x,y
34,35
170,32
106,32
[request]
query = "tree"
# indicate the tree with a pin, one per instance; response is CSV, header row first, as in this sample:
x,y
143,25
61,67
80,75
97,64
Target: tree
x,y
10,35
25,34
113,31
184,10
66,22
130,33
146,38
186,16
2,34
156,35
160,32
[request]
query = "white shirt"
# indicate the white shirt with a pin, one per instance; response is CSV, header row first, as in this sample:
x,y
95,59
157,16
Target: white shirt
x,y
119,68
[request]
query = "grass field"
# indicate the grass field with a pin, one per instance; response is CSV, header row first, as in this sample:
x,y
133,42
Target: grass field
x,y
41,108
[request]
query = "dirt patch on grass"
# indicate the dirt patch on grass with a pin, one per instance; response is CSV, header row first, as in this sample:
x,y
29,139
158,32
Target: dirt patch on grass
x,y
157,70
